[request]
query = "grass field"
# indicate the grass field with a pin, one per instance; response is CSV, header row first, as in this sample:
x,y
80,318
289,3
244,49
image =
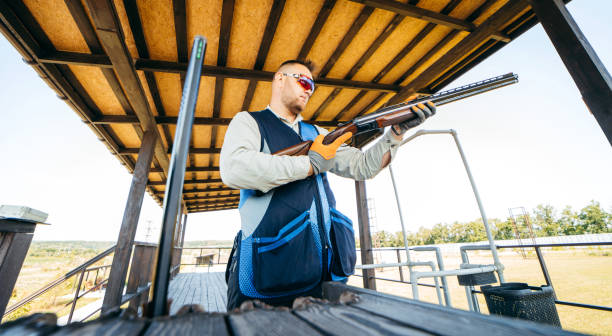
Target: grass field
x,y
582,276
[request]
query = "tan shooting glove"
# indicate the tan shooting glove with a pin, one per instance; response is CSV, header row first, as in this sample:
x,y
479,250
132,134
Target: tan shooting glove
x,y
322,156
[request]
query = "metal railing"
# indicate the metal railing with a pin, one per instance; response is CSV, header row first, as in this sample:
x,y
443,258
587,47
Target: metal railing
x,y
137,286
543,267
81,269
219,260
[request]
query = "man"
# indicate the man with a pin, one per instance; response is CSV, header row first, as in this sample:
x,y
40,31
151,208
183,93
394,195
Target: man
x,y
292,236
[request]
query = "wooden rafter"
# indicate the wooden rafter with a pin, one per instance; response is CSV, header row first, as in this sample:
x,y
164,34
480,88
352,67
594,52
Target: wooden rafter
x,y
133,15
187,198
109,32
119,119
57,57
427,15
324,12
192,150
191,169
346,40
194,181
275,13
205,190
478,36
418,38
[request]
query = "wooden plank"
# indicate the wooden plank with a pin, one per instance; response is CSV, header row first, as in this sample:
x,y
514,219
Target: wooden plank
x,y
335,319
427,15
580,59
365,238
13,250
129,224
229,200
324,12
110,325
479,35
275,13
269,322
437,319
108,29
188,324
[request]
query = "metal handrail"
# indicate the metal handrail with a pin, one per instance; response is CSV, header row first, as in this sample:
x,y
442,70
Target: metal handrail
x,y
544,268
79,269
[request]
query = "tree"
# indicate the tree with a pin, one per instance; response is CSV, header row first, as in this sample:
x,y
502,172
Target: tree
x,y
503,230
593,219
544,222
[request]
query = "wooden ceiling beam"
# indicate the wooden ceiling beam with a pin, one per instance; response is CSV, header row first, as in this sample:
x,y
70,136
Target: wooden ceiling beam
x,y
213,203
109,32
418,38
190,169
196,150
207,209
191,191
427,15
346,40
194,181
133,16
275,13
478,36
232,199
195,198
148,65
125,119
514,30
324,12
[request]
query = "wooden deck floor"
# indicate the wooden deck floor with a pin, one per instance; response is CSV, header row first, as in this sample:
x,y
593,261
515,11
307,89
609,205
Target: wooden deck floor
x,y
207,289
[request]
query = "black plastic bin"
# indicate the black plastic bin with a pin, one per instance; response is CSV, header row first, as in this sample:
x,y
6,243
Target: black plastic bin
x,y
516,299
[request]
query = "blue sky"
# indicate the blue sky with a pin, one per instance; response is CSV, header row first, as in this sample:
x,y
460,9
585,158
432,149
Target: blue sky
x,y
528,144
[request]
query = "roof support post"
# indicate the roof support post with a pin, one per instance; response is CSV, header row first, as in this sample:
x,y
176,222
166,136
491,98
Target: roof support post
x,y
581,61
118,272
365,238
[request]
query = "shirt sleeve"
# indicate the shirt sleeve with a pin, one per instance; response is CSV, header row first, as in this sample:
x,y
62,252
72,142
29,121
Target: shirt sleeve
x,y
353,163
243,166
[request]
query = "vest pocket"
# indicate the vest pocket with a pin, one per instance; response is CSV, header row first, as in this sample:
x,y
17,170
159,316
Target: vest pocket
x,y
289,262
342,238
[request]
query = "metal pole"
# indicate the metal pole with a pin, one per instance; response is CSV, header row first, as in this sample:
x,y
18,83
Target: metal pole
x,y
76,296
500,267
176,176
399,210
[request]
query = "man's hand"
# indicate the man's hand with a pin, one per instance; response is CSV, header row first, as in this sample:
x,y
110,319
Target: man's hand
x,y
423,111
322,156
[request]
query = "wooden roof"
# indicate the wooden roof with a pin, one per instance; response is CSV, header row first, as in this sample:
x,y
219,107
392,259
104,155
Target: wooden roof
x,y
120,64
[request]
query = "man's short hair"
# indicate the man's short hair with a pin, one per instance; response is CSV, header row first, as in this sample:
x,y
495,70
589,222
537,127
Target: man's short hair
x,y
307,63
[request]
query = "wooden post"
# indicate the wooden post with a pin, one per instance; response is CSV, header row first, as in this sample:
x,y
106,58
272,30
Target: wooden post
x,y
182,238
118,272
581,61
136,269
365,239
15,239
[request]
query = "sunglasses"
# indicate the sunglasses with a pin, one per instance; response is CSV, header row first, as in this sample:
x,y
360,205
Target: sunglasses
x,y
305,82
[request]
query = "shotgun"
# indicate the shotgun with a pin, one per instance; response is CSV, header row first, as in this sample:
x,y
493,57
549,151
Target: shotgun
x,y
395,114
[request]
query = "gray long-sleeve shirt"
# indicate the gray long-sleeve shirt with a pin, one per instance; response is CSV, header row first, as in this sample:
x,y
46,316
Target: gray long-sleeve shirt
x,y
244,166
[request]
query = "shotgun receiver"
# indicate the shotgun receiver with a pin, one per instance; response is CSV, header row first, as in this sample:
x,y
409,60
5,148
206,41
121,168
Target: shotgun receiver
x,y
396,114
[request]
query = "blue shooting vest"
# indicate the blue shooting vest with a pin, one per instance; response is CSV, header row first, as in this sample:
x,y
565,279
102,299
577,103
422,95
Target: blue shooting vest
x,y
299,238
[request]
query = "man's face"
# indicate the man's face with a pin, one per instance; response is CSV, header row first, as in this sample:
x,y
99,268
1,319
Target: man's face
x,y
293,95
